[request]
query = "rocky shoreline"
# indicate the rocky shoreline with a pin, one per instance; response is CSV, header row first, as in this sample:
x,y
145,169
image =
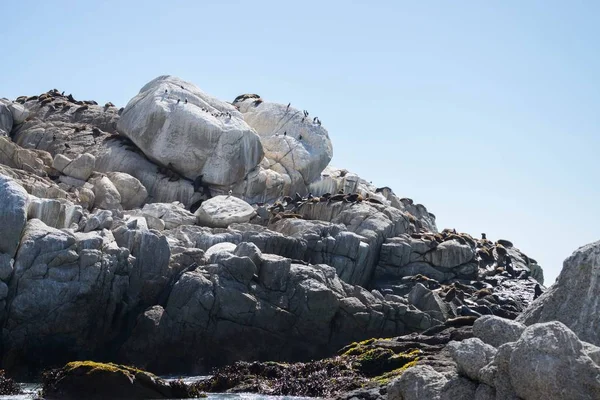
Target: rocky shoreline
x,y
182,233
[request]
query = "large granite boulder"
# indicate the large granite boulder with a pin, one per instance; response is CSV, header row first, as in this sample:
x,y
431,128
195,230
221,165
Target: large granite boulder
x,y
497,331
182,128
572,299
14,202
548,362
133,193
222,211
294,144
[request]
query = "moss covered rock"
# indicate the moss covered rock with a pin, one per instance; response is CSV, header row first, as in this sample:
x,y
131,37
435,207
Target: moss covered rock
x,y
93,380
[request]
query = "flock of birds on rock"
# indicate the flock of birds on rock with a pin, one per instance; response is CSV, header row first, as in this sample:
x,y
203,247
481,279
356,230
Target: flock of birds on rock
x,y
214,114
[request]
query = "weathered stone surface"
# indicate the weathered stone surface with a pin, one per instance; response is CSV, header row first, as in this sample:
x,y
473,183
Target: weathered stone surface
x,y
496,331
198,135
101,219
65,293
224,313
133,193
222,211
485,392
6,267
57,213
548,362
471,355
6,119
294,145
573,299
429,302
106,194
81,167
14,156
417,383
459,388
13,214
172,214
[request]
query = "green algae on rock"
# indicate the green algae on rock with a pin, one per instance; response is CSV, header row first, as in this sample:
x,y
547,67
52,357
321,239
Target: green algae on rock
x,y
94,380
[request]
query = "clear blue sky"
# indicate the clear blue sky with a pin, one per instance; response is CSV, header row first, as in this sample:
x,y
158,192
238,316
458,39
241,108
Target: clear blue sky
x,y
486,112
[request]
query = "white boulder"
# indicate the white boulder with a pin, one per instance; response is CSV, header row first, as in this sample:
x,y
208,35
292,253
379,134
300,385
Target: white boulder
x,y
294,145
221,211
177,125
133,193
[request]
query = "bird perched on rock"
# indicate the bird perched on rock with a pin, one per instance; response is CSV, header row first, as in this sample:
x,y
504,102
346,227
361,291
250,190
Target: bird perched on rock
x,y
230,192
178,100
186,101
288,106
285,133
300,137
483,236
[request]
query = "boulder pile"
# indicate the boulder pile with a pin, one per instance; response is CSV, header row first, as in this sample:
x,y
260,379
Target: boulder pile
x,y
182,232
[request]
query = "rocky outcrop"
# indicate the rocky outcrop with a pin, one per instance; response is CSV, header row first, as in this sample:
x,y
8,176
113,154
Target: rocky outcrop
x,y
92,380
65,294
546,361
180,127
572,300
120,247
247,305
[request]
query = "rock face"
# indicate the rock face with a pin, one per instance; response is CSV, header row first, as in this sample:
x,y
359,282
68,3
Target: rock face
x,y
222,211
180,127
6,119
13,214
123,244
572,300
65,295
262,307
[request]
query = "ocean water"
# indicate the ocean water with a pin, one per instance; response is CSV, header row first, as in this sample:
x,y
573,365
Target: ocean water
x,y
31,389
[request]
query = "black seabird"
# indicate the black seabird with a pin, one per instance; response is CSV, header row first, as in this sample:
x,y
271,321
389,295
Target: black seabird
x,y
185,101
483,236
315,119
285,133
288,106
178,100
300,137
